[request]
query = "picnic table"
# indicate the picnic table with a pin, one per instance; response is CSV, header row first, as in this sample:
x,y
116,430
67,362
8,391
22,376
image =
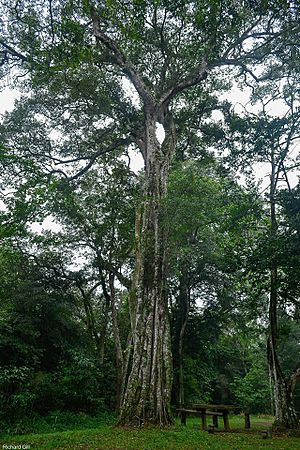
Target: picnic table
x,y
203,410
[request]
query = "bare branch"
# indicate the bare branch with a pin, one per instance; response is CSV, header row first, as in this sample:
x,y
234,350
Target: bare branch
x,y
93,158
286,178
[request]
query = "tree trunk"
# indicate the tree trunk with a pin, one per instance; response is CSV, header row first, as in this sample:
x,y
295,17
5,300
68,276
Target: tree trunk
x,y
148,391
110,298
285,414
181,315
118,346
99,341
185,303
103,332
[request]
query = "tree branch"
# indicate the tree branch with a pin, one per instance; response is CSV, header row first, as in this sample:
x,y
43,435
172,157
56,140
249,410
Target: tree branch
x,y
114,146
105,265
191,80
295,376
12,51
121,60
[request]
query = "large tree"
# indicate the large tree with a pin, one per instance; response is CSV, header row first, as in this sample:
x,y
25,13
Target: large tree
x,y
83,54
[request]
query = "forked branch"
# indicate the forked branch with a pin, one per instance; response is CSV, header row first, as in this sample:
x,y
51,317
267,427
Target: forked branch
x,y
120,59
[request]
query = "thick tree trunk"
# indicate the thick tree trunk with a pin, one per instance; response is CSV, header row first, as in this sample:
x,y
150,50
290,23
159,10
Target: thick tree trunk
x,y
285,414
148,390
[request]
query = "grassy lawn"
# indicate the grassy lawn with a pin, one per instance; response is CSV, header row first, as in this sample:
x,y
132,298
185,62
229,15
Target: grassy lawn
x,y
106,436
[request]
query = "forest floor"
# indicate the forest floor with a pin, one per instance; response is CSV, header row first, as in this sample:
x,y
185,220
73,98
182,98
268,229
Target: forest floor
x,y
101,434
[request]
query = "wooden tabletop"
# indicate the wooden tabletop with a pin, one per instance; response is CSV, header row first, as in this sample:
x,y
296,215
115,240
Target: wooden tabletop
x,y
217,407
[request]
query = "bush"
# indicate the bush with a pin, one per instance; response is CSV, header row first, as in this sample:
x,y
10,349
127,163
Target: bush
x,y
253,391
16,394
197,381
79,386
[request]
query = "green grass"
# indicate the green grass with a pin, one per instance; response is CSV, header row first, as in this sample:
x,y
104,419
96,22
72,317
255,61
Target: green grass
x,y
55,421
106,436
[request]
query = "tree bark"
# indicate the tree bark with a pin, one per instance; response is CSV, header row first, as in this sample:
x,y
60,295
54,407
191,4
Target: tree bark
x,y
99,340
285,414
185,304
103,332
180,323
111,299
148,391
118,346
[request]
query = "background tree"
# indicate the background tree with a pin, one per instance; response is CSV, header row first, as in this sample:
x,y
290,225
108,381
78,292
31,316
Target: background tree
x,y
271,139
212,225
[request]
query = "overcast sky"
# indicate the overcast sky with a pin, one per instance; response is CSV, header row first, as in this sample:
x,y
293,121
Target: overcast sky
x,y
7,98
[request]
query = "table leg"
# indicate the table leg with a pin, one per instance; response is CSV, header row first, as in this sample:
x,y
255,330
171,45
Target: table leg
x,y
215,421
247,420
183,417
226,420
203,417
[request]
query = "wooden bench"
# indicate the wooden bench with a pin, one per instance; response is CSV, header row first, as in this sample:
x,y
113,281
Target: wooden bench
x,y
194,412
215,411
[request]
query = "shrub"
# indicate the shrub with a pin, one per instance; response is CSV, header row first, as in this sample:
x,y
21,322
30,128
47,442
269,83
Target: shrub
x,y
253,391
16,395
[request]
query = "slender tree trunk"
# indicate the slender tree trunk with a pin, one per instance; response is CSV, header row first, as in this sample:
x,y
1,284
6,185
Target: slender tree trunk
x,y
118,346
148,391
103,332
180,323
99,341
285,414
111,299
185,303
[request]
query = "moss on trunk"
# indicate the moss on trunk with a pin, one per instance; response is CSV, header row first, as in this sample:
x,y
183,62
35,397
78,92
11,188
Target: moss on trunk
x,y
148,392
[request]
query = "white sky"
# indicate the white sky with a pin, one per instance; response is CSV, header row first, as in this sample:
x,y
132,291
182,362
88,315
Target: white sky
x,y
277,108
7,99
